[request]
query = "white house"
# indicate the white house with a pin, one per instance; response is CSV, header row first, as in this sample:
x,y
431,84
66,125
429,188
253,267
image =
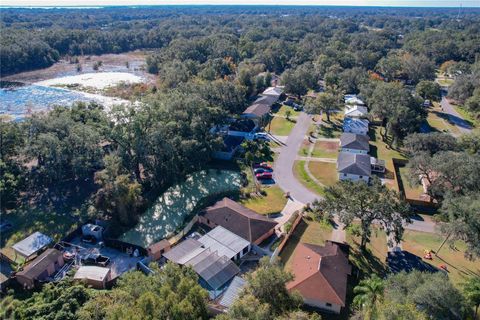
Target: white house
x,y
353,99
355,125
273,91
354,166
354,143
355,111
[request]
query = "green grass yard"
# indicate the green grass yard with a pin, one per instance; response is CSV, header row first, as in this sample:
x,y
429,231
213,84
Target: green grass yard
x,y
325,149
325,172
282,111
302,176
280,126
273,202
411,192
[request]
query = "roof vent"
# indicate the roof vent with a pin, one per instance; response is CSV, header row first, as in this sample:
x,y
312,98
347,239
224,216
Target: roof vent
x,y
308,257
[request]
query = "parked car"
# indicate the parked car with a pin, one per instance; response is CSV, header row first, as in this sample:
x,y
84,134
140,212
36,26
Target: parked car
x,y
427,103
264,176
89,239
289,102
263,165
261,136
95,259
262,170
297,107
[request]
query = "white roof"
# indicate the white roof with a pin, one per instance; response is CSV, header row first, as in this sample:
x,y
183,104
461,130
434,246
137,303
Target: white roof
x,y
355,110
273,91
184,251
352,99
32,244
224,242
92,272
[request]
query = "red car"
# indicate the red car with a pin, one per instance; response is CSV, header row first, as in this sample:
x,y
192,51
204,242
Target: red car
x,y
264,175
263,165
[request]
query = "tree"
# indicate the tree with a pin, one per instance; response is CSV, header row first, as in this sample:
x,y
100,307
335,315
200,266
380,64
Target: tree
x,y
470,142
256,151
432,293
172,292
428,90
471,290
288,113
398,311
247,308
324,102
462,221
430,143
268,284
368,295
370,204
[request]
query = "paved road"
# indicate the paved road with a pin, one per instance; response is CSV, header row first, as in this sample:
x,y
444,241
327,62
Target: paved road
x,y
284,164
455,117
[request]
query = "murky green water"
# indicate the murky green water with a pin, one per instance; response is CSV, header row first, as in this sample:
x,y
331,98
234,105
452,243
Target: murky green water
x,y
170,209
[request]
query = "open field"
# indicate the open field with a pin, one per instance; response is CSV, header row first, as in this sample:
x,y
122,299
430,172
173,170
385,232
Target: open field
x,y
307,231
302,176
280,126
459,268
325,172
272,203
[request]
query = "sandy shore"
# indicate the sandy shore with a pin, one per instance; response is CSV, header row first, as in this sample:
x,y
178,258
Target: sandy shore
x,y
99,80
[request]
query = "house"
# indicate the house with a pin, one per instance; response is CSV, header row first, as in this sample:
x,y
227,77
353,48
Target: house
x,y
207,258
266,100
256,111
355,111
41,268
32,245
321,274
230,146
96,277
352,99
225,243
353,166
355,125
354,143
242,128
156,250
238,219
273,91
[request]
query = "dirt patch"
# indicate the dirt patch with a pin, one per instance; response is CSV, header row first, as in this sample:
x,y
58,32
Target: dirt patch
x,y
330,146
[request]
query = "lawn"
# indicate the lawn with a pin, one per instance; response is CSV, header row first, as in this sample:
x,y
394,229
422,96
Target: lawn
x,y
307,231
304,148
459,268
373,260
411,192
325,172
468,116
325,149
280,126
273,202
380,150
302,176
283,111
438,120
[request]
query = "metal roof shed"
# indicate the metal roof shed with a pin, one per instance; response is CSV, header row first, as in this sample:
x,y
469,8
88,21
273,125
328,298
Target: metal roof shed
x,y
184,251
232,292
224,242
32,244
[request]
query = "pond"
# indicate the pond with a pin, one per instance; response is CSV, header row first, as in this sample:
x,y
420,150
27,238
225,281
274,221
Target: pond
x,y
176,203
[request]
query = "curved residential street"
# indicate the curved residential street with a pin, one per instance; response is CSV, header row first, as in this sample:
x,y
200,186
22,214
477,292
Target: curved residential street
x,y
455,117
301,195
284,176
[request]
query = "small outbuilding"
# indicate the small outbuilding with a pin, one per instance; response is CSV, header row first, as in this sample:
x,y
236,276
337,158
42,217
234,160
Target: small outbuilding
x,y
156,250
32,245
96,277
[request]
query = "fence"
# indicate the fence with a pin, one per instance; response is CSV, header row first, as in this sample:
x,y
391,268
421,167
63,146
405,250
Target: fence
x,y
282,244
177,237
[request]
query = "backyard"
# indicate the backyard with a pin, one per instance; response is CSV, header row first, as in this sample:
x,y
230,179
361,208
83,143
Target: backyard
x,y
411,192
307,231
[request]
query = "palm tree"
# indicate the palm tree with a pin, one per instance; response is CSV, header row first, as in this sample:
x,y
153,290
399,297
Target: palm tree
x,y
472,292
368,293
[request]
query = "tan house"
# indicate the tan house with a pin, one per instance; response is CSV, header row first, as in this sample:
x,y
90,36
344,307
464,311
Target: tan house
x,y
321,274
96,277
41,268
240,220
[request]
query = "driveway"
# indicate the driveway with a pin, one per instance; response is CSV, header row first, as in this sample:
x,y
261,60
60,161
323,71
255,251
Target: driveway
x,y
284,164
455,117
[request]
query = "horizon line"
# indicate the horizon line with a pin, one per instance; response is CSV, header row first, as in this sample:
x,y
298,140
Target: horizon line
x,y
226,5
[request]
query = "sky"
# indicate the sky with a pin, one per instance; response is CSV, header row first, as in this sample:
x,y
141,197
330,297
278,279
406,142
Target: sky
x,y
413,3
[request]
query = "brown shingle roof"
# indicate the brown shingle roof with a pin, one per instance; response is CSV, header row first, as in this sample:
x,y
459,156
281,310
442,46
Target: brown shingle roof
x,y
320,272
40,264
257,109
240,220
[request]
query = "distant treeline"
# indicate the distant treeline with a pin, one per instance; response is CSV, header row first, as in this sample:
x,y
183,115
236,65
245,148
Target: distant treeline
x,y
279,37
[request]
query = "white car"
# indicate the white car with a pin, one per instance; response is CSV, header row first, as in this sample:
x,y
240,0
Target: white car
x,y
261,136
